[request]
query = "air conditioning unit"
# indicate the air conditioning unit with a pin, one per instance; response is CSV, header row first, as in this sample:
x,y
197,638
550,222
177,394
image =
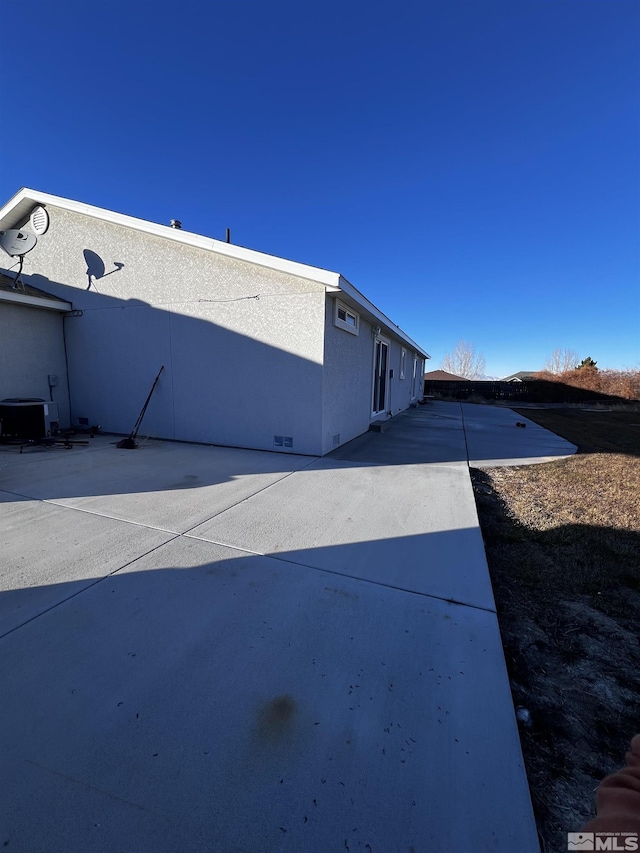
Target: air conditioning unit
x,y
27,418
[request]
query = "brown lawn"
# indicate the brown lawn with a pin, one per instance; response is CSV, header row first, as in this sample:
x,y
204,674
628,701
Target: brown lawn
x,y
563,546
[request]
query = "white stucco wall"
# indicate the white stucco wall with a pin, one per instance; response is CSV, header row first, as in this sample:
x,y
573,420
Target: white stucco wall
x,y
347,381
31,349
348,378
238,370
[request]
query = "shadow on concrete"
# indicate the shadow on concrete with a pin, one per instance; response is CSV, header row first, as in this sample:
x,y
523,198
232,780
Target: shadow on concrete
x,y
231,700
593,430
444,564
429,435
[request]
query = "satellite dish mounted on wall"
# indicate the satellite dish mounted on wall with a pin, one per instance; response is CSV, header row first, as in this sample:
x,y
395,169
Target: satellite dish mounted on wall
x,y
17,243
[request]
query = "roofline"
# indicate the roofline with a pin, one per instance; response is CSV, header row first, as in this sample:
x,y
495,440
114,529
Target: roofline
x,y
351,291
18,208
22,201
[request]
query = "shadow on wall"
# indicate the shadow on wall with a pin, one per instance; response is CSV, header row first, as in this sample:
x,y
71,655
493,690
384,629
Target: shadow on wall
x,y
219,386
96,268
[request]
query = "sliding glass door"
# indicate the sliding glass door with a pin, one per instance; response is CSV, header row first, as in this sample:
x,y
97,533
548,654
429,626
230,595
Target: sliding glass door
x,y
380,372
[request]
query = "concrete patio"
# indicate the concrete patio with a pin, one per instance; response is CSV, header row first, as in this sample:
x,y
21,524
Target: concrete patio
x,y
212,649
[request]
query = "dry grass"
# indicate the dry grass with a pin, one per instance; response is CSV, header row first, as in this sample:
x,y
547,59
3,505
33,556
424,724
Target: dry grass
x,y
602,491
563,546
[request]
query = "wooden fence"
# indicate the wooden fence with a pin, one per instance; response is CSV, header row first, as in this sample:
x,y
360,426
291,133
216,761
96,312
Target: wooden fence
x,y
529,391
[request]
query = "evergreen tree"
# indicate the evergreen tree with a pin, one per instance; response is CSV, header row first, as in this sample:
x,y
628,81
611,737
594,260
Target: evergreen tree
x,y
587,362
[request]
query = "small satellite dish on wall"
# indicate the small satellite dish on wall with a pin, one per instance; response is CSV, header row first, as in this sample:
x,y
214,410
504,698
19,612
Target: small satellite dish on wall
x,y
17,243
39,220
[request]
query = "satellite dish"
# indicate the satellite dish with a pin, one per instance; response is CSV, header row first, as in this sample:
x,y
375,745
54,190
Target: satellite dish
x,y
17,243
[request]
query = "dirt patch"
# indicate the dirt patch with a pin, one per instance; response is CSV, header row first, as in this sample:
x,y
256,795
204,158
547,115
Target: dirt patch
x,y
563,546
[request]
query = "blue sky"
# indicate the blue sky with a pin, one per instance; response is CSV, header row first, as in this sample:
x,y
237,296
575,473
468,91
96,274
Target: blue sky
x,y
472,166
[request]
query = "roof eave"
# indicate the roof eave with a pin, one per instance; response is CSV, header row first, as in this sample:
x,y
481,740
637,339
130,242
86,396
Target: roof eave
x,y
354,294
17,298
17,209
19,206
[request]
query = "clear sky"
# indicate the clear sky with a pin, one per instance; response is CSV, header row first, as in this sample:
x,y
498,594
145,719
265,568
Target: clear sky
x,y
473,167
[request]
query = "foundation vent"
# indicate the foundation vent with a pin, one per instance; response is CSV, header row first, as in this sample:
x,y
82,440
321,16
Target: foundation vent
x,y
283,441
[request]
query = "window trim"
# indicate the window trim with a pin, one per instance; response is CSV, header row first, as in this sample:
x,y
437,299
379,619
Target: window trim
x,y
414,378
352,328
403,359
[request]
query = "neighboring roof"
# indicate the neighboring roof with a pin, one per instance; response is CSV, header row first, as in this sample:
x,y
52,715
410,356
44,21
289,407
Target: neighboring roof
x,y
16,211
25,294
443,376
520,376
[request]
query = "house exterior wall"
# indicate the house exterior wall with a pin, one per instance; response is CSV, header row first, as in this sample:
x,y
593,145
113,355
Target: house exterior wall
x,y
347,381
348,378
238,370
31,349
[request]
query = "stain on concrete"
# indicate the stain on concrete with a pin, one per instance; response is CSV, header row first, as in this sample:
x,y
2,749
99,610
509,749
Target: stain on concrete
x,y
342,592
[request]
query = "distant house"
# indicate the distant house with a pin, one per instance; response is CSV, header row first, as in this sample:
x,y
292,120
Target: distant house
x,y
443,376
259,351
521,376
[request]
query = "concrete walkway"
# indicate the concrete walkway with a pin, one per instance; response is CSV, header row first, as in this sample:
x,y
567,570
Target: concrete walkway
x,y
207,649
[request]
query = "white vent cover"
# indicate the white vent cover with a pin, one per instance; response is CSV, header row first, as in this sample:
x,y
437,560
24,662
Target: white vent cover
x,y
39,220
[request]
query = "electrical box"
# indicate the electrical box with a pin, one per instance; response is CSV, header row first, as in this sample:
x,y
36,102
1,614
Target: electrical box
x,y
27,418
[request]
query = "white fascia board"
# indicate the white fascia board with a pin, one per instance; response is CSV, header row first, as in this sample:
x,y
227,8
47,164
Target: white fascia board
x,y
354,294
17,298
18,208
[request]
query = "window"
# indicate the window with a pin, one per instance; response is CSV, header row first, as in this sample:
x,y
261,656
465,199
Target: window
x,y
346,319
403,358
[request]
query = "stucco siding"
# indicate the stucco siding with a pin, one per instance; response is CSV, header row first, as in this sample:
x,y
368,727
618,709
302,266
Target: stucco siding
x,y
348,379
31,349
238,369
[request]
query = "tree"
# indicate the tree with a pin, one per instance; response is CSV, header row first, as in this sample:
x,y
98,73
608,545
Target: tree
x,y
464,361
561,360
587,364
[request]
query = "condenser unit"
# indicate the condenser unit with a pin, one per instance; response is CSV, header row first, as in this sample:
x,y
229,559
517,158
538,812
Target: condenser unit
x,y
27,418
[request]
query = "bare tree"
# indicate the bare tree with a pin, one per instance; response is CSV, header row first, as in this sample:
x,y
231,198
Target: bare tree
x,y
562,360
464,361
